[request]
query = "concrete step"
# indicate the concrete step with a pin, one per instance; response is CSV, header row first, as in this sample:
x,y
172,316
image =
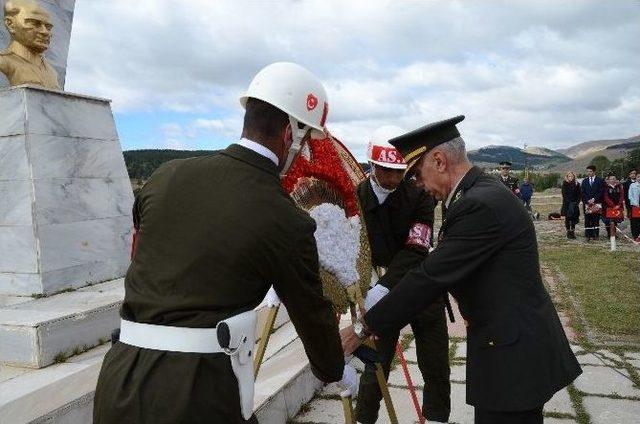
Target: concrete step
x,y
38,332
63,392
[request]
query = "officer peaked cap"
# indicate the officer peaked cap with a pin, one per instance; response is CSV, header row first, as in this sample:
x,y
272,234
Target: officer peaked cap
x,y
414,144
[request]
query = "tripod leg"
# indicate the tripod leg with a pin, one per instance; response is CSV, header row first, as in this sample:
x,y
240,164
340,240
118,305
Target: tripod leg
x,y
264,338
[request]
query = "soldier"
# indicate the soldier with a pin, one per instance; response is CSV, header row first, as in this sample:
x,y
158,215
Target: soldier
x,y
399,220
518,356
213,233
508,180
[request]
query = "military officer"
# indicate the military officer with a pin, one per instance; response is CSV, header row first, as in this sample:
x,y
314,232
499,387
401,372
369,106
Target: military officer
x,y
213,234
399,220
487,257
507,179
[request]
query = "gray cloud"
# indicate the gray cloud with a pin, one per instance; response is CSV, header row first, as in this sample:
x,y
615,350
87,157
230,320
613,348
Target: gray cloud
x,y
546,72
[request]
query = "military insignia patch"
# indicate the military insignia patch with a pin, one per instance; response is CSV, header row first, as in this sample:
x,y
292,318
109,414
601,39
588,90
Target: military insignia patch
x,y
457,196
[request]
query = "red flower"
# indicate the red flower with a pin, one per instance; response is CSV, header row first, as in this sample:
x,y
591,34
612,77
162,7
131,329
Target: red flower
x,y
326,165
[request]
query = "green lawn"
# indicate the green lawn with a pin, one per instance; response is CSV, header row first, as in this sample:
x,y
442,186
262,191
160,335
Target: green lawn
x,y
605,284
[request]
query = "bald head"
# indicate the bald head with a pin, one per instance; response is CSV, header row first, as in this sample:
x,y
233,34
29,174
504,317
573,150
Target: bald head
x,y
29,24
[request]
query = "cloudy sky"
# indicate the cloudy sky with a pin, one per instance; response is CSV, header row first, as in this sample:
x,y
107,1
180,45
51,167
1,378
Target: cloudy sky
x,y
546,73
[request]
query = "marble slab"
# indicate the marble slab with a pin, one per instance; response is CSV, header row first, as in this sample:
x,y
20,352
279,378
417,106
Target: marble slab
x,y
58,114
15,207
12,112
19,254
14,164
61,12
20,283
64,180
66,200
81,157
33,333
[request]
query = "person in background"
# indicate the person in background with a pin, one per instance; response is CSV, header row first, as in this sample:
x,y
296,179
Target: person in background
x,y
613,196
592,188
526,192
626,185
507,179
634,203
570,203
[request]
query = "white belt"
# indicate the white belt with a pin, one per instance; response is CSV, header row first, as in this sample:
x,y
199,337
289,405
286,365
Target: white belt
x,y
240,330
172,339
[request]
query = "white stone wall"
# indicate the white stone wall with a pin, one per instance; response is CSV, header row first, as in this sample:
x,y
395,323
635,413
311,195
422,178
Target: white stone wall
x,y
66,221
62,14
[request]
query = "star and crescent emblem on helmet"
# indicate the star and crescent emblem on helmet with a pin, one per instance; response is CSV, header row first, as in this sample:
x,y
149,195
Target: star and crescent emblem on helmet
x,y
312,102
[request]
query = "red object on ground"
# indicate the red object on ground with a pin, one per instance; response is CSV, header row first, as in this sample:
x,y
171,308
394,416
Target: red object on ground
x,y
412,388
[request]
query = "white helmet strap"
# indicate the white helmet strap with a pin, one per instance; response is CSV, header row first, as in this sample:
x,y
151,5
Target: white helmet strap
x,y
297,134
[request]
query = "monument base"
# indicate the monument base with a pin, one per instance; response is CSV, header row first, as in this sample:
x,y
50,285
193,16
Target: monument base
x,y
65,218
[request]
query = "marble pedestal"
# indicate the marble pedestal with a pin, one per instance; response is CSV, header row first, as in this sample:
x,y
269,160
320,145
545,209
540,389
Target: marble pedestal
x,y
65,196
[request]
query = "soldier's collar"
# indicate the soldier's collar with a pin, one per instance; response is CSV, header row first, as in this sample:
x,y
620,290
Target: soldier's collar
x,y
26,54
464,184
250,157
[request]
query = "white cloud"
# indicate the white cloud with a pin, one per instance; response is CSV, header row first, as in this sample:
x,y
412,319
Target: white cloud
x,y
546,72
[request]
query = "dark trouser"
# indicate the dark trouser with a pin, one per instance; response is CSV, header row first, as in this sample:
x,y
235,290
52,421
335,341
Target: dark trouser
x,y
569,223
635,227
592,220
527,203
482,416
432,351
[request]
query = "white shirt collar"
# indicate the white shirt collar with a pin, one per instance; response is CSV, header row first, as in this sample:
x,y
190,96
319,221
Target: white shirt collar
x,y
450,197
380,192
259,149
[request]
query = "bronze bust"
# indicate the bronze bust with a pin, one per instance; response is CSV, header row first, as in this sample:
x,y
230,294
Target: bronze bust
x,y
23,61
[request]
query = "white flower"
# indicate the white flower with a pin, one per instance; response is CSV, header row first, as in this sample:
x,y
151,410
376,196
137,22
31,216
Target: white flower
x,y
338,240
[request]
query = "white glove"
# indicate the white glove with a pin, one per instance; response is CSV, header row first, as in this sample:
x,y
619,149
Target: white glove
x,y
374,295
349,381
272,298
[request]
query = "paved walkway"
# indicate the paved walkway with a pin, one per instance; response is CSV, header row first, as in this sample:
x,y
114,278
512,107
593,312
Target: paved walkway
x,y
601,395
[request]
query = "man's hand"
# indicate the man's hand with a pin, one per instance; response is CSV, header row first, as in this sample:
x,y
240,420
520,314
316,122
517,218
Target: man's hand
x,y
350,340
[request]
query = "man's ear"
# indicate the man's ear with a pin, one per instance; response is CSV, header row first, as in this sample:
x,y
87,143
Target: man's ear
x,y
9,24
288,136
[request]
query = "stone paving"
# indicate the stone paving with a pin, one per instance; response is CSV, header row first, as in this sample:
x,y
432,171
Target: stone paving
x,y
603,394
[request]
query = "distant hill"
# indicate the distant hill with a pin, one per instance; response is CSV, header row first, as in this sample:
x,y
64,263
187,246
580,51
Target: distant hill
x,y
589,147
536,157
583,153
142,163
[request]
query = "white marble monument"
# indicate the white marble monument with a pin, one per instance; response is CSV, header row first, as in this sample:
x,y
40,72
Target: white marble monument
x,y
61,12
65,208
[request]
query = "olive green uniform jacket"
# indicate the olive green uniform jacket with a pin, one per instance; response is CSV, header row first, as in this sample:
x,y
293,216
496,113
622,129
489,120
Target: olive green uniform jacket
x,y
214,233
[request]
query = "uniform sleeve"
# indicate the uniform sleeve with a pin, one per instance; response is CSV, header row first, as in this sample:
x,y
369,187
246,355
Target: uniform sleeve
x,y
472,236
411,255
298,286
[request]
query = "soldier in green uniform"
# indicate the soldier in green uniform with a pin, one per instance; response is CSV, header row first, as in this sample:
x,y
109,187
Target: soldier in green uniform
x,y
399,219
213,234
507,179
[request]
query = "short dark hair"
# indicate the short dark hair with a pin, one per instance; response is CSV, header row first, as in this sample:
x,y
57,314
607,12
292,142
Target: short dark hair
x,y
632,170
264,118
591,167
611,174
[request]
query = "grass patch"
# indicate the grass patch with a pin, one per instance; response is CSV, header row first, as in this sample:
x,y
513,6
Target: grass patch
x,y
605,284
576,400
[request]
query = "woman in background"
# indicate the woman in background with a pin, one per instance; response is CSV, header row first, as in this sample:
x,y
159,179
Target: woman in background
x,y
570,202
613,202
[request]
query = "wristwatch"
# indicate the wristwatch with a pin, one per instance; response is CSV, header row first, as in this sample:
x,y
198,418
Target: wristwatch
x,y
360,330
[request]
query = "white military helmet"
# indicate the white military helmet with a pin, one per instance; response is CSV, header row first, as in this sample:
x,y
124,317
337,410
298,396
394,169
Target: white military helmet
x,y
381,152
295,91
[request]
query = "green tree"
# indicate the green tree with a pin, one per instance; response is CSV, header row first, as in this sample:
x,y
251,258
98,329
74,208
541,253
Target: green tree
x,y
601,162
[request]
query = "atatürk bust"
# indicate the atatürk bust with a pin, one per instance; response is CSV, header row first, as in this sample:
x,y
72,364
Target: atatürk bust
x,y
30,28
